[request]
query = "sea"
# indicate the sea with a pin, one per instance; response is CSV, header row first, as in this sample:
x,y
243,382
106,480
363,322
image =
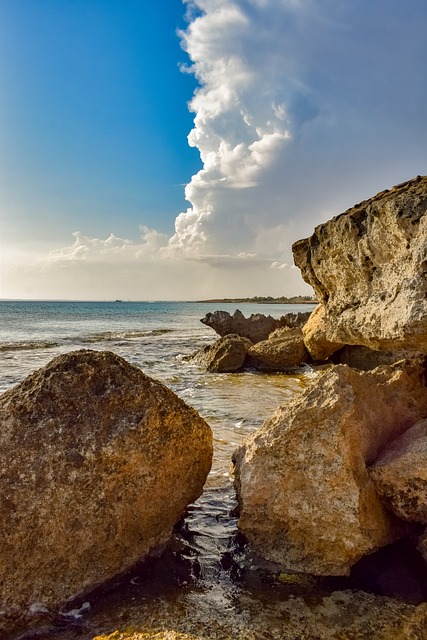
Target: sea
x,y
156,337
207,562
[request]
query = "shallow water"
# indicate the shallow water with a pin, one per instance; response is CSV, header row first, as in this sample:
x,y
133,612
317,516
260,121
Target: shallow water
x,y
206,573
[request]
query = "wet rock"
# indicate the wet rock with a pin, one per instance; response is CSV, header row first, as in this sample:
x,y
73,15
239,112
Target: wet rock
x,y
400,474
226,355
284,350
97,463
340,615
306,499
256,328
368,267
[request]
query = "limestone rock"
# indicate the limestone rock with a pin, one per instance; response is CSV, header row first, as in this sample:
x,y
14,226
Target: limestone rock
x,y
256,328
314,332
97,463
226,355
368,267
306,499
400,474
283,350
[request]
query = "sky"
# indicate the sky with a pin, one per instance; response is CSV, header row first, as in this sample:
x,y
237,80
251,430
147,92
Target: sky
x,y
176,150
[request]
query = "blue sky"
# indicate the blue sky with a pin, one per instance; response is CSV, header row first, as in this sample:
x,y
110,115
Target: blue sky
x,y
298,109
94,116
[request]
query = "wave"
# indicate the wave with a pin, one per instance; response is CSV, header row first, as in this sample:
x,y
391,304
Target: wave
x,y
105,336
28,345
111,336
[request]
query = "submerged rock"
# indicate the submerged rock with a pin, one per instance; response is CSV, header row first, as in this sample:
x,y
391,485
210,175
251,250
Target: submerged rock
x,y
400,474
368,267
240,615
97,463
284,350
306,499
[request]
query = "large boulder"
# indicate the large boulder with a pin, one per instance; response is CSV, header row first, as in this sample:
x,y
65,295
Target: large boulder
x,y
306,499
400,474
226,355
284,350
256,328
368,267
97,463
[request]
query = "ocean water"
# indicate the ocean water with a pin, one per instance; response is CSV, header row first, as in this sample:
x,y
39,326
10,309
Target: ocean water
x,y
206,566
155,337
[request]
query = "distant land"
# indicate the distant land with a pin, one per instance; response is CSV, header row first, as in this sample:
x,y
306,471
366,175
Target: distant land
x,y
266,300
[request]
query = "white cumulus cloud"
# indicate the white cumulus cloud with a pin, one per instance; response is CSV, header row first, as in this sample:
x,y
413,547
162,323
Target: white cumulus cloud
x,y
300,106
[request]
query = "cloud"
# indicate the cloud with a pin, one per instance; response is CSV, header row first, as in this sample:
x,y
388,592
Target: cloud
x,y
111,268
112,249
300,108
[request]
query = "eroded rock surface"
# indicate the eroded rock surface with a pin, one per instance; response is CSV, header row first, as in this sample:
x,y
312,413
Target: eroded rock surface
x,y
226,355
368,267
400,474
256,328
315,336
306,499
283,350
97,463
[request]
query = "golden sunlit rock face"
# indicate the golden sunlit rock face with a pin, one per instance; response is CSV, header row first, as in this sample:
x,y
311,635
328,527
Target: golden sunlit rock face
x,y
97,463
306,499
368,267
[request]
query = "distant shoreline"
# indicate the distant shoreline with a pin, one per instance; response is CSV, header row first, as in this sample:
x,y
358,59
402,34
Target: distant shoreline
x,y
263,300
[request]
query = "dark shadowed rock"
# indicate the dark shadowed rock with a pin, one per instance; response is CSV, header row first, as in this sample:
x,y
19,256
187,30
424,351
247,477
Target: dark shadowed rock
x,y
366,359
256,328
97,463
400,474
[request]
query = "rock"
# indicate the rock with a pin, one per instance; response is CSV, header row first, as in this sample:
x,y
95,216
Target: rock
x,y
400,474
366,359
422,544
256,328
226,355
306,499
341,615
97,463
284,350
368,267
314,332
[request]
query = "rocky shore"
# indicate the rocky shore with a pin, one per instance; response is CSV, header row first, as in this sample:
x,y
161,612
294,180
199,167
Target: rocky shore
x,y
348,457
98,461
97,464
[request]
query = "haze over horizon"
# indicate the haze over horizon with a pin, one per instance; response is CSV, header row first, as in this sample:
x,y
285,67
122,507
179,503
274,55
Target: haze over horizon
x,y
294,110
